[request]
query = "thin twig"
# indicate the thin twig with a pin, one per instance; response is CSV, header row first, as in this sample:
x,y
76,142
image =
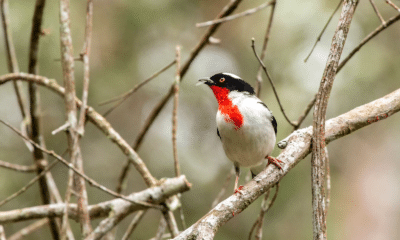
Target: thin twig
x,y
318,156
181,214
223,189
70,166
175,111
17,167
235,16
323,30
228,9
264,48
171,223
12,57
34,113
126,95
270,81
67,62
86,69
2,233
393,5
264,210
346,59
260,216
29,184
97,119
135,221
377,12
305,113
161,229
29,229
367,38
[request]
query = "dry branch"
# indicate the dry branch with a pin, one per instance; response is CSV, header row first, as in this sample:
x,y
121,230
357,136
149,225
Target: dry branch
x,y
297,148
238,15
111,209
318,157
93,116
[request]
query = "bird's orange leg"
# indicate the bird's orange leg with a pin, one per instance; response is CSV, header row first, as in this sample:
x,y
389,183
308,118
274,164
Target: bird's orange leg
x,y
274,161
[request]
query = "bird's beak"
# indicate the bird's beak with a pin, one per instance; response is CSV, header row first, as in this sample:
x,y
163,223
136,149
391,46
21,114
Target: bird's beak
x,y
206,81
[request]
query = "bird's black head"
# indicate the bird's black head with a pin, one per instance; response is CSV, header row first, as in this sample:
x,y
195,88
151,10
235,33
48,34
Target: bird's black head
x,y
229,81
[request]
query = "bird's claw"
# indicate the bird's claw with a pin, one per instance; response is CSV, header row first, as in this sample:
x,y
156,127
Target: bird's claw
x,y
274,161
238,190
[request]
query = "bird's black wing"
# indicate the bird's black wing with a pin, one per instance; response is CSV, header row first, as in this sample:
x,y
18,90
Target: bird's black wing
x,y
273,121
218,134
275,124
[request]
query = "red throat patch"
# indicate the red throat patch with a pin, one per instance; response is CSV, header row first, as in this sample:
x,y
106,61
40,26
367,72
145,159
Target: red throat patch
x,y
226,107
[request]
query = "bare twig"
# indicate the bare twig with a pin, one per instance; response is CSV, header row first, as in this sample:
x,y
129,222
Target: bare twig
x,y
264,48
157,196
318,157
125,96
377,12
257,222
323,30
393,5
235,16
270,80
71,167
264,209
2,233
175,111
18,168
30,183
97,119
298,147
86,70
346,59
67,61
35,125
171,223
223,189
111,209
367,38
135,221
228,9
12,57
161,229
29,229
305,113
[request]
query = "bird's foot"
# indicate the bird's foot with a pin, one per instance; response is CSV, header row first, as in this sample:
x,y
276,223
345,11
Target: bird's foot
x,y
274,161
238,190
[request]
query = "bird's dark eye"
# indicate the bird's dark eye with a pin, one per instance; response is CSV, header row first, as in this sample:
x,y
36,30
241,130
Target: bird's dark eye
x,y
221,80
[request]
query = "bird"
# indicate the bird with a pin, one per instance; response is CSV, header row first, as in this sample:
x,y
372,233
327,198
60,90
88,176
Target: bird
x,y
245,125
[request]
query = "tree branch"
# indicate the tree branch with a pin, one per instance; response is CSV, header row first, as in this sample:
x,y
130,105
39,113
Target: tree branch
x,y
318,158
297,148
111,209
93,116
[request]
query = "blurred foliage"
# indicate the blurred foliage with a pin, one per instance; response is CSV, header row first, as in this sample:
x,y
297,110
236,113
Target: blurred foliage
x,y
134,39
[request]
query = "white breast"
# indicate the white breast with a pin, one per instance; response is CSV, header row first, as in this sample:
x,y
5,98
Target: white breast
x,y
255,139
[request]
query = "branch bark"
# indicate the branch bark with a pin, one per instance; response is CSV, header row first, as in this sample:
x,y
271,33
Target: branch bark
x,y
318,158
298,146
112,209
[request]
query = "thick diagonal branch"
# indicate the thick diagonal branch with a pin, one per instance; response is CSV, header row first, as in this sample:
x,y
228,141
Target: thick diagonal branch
x,y
298,146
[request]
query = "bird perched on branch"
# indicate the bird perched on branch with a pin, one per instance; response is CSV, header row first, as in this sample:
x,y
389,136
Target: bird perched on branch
x,y
245,125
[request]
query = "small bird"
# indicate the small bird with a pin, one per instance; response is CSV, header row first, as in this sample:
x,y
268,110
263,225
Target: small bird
x,y
245,125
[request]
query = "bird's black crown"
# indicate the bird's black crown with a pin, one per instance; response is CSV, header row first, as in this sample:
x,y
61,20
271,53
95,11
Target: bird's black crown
x,y
231,82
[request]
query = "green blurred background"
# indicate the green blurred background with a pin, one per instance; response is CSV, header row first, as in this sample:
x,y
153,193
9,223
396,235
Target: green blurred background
x,y
134,39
